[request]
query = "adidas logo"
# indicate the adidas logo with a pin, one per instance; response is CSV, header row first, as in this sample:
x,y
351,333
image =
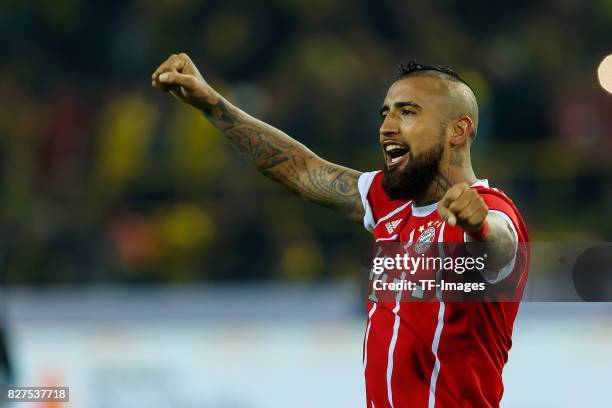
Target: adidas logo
x,y
391,225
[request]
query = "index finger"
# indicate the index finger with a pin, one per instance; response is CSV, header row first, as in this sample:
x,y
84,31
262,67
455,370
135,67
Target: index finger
x,y
446,214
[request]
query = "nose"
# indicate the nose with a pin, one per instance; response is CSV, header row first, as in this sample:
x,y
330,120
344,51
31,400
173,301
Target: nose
x,y
389,126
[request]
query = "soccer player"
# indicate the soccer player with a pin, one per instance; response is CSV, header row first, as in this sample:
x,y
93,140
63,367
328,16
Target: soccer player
x,y
421,354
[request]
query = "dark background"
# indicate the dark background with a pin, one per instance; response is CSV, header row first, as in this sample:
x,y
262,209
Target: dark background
x,y
105,180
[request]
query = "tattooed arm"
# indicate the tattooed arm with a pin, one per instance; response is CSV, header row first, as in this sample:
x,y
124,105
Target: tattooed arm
x,y
272,152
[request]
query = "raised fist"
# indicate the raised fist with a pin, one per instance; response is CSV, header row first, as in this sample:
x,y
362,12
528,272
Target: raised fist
x,y
179,76
463,206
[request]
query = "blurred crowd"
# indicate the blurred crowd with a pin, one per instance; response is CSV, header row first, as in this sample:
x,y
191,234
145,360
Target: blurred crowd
x,y
105,180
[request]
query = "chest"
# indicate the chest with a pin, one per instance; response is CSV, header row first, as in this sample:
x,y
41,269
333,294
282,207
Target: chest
x,y
419,228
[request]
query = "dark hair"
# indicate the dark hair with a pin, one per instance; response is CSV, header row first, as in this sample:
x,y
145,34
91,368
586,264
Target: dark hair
x,y
404,70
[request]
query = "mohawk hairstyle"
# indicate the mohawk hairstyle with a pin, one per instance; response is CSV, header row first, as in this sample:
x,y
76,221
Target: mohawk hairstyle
x,y
404,70
413,67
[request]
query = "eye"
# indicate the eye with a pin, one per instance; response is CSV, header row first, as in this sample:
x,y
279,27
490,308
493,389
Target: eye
x,y
407,112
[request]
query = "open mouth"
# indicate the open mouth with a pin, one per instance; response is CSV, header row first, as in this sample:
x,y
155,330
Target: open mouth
x,y
395,153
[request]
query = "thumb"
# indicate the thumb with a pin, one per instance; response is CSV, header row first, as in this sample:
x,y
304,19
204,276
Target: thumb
x,y
178,79
447,214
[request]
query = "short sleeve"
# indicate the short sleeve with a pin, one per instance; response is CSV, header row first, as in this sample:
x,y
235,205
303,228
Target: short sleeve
x,y
501,207
364,183
505,211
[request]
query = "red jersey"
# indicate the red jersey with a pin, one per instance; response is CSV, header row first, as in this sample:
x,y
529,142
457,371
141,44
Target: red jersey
x,y
436,354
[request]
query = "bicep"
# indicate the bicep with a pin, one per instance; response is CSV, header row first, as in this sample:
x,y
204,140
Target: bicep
x,y
502,224
507,244
500,247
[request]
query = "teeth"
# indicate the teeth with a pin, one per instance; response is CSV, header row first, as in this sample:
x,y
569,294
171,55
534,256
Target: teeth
x,y
390,147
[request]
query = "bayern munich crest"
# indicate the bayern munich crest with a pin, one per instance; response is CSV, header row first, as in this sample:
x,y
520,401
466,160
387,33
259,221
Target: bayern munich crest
x,y
425,239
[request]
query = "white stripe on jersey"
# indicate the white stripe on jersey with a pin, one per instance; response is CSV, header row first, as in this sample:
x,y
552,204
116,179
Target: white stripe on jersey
x,y
387,239
392,213
438,333
391,350
434,349
365,345
393,342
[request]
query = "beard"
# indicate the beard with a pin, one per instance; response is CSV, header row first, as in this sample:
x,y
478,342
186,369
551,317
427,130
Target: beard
x,y
414,180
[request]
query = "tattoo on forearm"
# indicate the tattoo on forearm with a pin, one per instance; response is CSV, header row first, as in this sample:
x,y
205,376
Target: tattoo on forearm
x,y
220,115
334,187
288,162
248,137
264,153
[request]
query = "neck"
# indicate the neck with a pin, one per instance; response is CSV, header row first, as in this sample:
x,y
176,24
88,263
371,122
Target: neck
x,y
445,180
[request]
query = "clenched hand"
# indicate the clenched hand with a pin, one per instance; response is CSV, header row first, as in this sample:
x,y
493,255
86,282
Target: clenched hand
x,y
179,76
463,206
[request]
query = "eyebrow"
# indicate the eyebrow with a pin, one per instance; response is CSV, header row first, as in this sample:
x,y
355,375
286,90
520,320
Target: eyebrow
x,y
401,104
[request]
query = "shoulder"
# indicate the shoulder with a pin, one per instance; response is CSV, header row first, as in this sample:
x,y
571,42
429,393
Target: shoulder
x,y
500,203
374,199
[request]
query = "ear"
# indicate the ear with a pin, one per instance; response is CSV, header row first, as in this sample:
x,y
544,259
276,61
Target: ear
x,y
462,131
